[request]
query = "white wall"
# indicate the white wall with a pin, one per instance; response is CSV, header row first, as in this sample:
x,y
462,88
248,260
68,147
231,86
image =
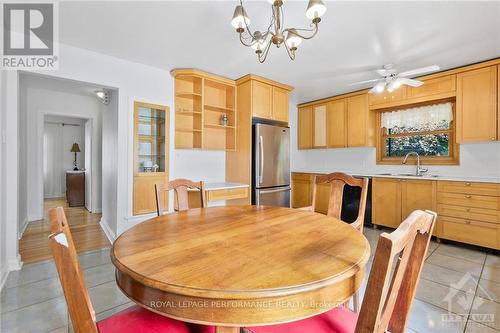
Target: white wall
x,y
3,191
65,131
478,160
41,97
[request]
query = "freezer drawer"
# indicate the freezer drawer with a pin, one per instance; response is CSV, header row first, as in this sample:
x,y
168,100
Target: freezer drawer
x,y
276,196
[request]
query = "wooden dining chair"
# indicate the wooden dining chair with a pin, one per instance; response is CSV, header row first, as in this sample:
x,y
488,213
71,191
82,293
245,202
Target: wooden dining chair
x,y
389,294
133,320
337,181
180,188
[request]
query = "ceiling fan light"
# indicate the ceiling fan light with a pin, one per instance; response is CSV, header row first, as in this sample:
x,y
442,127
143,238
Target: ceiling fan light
x,y
394,85
315,9
379,87
240,19
292,39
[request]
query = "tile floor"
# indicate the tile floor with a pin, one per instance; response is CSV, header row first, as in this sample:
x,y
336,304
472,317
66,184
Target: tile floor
x,y
32,299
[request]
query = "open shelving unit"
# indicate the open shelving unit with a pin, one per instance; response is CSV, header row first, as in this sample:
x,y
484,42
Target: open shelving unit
x,y
201,101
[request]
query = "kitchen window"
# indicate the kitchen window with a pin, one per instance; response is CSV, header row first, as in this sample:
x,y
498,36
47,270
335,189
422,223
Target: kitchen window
x,y
427,130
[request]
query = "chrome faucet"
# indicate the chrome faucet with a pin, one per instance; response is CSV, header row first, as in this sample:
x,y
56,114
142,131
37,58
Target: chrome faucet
x,y
419,170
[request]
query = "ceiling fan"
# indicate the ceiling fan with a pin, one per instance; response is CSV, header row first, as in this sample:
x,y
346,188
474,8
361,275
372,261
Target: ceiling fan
x,y
391,79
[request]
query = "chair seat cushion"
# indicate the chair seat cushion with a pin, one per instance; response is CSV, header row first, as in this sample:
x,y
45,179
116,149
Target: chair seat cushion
x,y
139,320
338,320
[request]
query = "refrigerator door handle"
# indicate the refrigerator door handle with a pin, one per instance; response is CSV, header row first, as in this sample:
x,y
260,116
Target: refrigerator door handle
x,y
261,158
277,190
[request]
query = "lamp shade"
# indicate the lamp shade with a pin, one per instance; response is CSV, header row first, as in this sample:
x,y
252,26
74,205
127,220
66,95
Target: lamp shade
x,y
315,8
75,148
240,18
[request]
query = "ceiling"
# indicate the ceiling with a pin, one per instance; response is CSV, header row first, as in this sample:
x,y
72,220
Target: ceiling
x,y
354,38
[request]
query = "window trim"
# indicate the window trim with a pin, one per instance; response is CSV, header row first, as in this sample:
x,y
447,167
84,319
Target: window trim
x,y
381,135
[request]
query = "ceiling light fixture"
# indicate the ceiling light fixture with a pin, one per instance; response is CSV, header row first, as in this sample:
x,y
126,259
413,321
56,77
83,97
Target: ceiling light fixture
x,y
275,33
103,95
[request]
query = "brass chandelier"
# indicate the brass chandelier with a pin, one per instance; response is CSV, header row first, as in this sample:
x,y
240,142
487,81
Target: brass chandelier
x,y
275,33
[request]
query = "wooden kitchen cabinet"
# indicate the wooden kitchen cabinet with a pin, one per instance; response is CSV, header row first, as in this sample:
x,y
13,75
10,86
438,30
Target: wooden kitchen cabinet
x,y
417,194
280,104
305,128
476,105
393,199
262,100
386,202
436,86
301,189
150,155
388,97
336,124
319,126
360,122
268,99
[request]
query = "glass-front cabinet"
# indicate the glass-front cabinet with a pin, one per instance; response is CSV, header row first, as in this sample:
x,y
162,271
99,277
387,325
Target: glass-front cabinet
x,y
150,154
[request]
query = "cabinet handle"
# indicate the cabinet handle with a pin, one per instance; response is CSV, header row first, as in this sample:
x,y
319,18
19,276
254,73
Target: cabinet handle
x,y
467,184
467,222
468,196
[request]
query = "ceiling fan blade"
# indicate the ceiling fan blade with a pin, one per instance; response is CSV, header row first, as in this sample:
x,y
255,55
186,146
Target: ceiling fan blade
x,y
363,82
422,70
410,82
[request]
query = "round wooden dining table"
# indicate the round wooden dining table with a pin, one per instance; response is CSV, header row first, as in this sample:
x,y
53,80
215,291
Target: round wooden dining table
x,y
237,266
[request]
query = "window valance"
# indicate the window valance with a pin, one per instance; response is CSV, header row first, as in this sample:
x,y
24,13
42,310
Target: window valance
x,y
418,117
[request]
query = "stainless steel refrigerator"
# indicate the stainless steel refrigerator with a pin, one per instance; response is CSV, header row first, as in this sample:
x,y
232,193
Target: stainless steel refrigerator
x,y
271,165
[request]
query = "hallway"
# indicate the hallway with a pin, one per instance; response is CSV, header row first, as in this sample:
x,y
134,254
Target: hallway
x,y
85,228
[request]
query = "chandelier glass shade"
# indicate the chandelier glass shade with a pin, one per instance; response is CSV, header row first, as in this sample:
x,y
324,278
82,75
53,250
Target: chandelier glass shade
x,y
275,33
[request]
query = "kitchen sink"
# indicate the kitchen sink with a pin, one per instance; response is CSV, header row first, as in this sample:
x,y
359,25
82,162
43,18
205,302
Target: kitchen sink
x,y
405,175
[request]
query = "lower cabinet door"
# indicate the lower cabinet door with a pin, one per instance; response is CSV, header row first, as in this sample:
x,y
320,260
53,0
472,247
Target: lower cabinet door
x,y
322,197
144,197
386,202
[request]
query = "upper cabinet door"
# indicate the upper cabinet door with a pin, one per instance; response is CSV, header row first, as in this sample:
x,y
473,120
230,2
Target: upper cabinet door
x,y
476,109
388,97
304,135
336,124
262,100
280,104
319,126
436,86
360,131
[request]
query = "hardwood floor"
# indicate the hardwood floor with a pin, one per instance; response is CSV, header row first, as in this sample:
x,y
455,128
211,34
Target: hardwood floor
x,y
85,229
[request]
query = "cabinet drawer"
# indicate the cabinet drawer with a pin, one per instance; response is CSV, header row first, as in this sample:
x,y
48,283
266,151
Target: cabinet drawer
x,y
478,214
469,188
470,231
468,200
302,176
228,194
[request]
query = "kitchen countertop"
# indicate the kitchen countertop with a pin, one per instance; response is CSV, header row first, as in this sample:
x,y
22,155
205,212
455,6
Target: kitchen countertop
x,y
425,177
223,186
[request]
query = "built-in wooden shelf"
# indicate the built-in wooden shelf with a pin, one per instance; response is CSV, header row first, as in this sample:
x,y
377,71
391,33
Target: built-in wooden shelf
x,y
215,108
214,96
219,126
187,94
187,130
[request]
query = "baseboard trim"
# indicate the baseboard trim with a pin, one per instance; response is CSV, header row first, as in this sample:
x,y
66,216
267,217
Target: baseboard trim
x,y
4,274
15,264
107,231
22,229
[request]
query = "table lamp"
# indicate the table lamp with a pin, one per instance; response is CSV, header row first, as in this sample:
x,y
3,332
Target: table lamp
x,y
75,149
